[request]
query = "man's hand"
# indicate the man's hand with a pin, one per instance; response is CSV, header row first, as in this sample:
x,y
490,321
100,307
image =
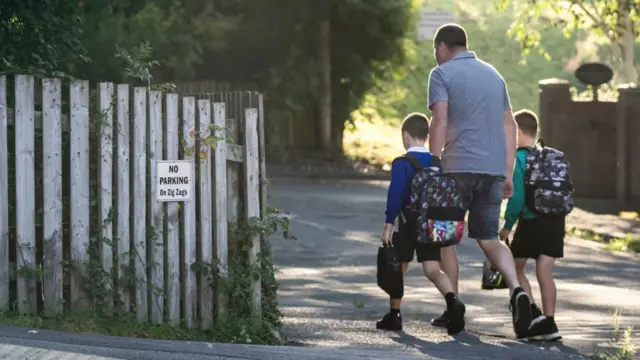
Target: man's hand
x,y
386,236
508,188
504,235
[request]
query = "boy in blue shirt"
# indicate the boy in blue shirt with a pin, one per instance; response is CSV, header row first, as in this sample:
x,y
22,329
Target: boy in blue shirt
x,y
415,130
536,237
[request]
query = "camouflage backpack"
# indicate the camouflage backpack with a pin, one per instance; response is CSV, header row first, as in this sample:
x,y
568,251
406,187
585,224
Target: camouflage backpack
x,y
548,187
435,198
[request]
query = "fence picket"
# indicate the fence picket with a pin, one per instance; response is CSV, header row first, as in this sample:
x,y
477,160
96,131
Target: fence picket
x,y
4,195
123,196
139,201
52,179
252,194
190,297
157,212
221,198
105,109
173,217
206,225
80,231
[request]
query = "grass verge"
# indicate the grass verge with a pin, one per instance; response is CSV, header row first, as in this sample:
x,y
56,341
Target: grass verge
x,y
630,243
620,346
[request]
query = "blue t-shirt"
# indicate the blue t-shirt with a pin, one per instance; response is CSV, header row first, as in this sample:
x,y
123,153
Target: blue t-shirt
x,y
477,97
400,187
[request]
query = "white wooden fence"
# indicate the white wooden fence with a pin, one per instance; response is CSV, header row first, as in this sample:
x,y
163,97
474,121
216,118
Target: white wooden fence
x,y
137,127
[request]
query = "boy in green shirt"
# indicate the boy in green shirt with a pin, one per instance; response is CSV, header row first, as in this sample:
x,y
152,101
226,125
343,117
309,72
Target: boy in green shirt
x,y
536,237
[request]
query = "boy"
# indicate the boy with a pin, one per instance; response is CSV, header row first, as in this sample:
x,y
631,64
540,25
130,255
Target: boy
x,y
415,130
536,237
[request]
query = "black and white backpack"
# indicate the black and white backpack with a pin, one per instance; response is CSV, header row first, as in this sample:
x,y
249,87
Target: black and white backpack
x,y
548,187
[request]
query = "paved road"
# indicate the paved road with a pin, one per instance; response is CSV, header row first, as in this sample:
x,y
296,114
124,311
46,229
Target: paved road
x,y
329,295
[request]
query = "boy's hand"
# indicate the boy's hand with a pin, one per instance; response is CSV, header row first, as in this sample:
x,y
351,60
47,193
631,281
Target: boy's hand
x,y
386,237
504,235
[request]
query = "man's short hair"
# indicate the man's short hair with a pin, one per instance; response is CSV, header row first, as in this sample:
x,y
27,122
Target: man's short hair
x,y
527,121
452,35
416,125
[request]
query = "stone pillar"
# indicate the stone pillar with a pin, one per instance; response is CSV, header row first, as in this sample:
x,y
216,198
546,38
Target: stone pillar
x,y
554,98
626,137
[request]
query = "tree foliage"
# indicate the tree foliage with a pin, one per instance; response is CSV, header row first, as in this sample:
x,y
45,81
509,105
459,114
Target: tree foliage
x,y
41,36
616,21
272,44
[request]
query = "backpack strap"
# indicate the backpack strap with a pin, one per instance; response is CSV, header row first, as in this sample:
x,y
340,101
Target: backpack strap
x,y
412,160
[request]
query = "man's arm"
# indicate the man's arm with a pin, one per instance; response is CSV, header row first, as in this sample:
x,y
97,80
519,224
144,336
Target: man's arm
x,y
510,131
439,105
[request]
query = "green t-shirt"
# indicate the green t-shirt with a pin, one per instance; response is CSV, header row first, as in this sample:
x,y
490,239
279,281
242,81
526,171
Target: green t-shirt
x,y
516,204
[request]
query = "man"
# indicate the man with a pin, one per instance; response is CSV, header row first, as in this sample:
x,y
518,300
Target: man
x,y
474,133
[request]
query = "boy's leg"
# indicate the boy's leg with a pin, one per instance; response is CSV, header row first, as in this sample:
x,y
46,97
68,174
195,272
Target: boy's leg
x,y
522,278
548,292
430,256
395,303
485,194
448,264
393,319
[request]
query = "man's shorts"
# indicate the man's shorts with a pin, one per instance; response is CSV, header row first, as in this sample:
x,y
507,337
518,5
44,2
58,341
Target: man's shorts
x,y
482,197
405,240
542,235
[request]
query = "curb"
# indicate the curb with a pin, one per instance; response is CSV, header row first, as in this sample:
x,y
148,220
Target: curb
x,y
330,176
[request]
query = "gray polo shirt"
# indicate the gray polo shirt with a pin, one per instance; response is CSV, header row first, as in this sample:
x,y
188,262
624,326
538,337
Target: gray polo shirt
x,y
477,95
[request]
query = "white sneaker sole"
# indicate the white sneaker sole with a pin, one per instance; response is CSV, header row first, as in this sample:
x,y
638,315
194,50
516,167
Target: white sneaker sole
x,y
547,337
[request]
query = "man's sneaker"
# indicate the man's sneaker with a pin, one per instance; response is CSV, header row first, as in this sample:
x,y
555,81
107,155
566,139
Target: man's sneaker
x,y
545,330
536,314
521,311
456,317
390,322
441,321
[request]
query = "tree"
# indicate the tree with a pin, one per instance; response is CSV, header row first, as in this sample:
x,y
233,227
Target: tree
x,y
617,21
41,37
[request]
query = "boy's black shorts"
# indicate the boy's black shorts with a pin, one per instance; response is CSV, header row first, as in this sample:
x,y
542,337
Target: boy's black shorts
x,y
406,243
543,235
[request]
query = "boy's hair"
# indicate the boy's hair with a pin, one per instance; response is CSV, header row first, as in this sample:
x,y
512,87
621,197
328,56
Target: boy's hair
x,y
452,35
416,125
527,121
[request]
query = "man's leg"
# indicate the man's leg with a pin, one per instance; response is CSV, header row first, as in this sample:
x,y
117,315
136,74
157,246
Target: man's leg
x,y
448,264
484,223
430,256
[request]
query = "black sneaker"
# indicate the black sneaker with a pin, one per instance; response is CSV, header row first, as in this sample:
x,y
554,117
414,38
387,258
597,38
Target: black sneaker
x,y
441,321
521,311
536,314
545,330
390,322
456,317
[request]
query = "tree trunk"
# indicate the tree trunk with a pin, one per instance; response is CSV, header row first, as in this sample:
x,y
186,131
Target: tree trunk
x,y
324,55
628,73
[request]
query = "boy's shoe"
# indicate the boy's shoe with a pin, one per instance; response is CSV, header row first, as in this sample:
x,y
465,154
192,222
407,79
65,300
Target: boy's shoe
x,y
441,321
536,314
390,322
456,317
545,330
520,306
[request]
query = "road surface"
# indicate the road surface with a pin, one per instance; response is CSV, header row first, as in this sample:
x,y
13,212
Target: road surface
x,y
329,296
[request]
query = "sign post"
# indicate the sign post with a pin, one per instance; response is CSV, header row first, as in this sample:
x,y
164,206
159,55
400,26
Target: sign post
x,y
174,181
